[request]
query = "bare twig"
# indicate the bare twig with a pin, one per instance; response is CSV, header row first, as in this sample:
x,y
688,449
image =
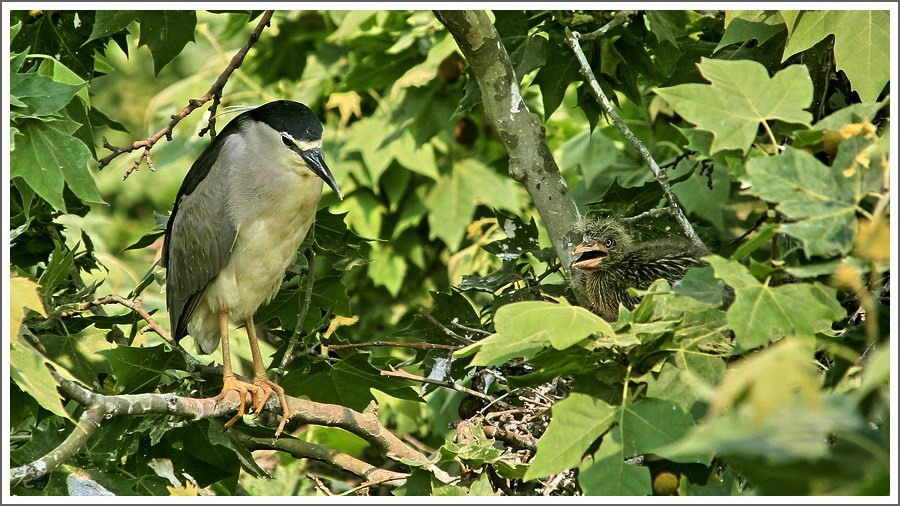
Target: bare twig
x,y
470,329
399,373
319,485
372,483
418,346
653,213
211,124
194,103
301,315
443,327
591,80
618,19
137,306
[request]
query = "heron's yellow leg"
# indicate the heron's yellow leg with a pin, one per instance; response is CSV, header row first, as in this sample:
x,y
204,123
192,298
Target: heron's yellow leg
x,y
264,385
229,380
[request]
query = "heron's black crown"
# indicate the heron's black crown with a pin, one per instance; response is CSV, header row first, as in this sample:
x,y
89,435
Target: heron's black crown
x,y
294,118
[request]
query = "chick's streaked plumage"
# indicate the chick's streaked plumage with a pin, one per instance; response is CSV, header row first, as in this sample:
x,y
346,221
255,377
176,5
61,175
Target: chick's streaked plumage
x,y
607,263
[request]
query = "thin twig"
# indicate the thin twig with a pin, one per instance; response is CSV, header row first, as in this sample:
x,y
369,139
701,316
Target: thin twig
x,y
470,329
400,373
194,103
137,306
443,327
418,346
618,19
321,486
653,213
301,315
600,96
372,484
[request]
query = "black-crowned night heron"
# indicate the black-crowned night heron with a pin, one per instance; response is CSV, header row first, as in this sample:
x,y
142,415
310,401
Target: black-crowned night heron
x,y
611,264
241,213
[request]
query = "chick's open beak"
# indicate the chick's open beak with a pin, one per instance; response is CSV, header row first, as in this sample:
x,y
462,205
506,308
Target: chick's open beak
x,y
590,255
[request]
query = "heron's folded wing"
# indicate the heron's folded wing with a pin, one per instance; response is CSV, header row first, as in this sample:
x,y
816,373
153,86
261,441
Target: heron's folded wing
x,y
199,238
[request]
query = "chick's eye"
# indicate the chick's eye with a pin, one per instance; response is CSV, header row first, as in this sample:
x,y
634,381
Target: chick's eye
x,y
609,243
287,142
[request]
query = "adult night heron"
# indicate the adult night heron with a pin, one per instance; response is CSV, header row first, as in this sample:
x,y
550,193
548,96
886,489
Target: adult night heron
x,y
241,213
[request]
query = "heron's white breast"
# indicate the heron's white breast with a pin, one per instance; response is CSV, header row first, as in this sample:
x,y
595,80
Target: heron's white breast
x,y
272,209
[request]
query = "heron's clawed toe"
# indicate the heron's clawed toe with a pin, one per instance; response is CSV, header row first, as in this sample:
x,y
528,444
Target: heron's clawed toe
x,y
264,389
243,388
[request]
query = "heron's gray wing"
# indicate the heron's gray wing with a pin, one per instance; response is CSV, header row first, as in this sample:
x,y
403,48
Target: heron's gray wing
x,y
199,237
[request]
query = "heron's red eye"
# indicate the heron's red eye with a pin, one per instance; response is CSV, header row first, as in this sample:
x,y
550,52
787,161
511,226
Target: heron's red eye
x,y
287,141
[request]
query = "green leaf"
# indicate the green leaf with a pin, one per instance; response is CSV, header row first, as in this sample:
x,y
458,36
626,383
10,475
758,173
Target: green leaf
x,y
607,473
347,382
29,371
79,353
564,325
387,268
166,33
41,95
740,97
861,44
107,23
452,201
139,369
46,156
762,313
820,201
525,328
741,26
559,71
577,421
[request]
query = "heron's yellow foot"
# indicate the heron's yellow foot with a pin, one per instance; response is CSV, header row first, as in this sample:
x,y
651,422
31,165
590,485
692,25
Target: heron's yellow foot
x,y
264,389
244,388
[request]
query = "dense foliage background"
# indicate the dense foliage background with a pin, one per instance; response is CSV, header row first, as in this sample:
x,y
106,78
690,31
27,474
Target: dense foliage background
x,y
773,127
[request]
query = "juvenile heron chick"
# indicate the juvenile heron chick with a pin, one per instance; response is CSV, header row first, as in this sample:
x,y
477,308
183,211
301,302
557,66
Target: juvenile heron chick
x,y
608,263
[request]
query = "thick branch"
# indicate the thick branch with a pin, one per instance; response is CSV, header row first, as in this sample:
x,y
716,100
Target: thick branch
x,y
214,92
591,80
530,160
87,426
364,425
302,449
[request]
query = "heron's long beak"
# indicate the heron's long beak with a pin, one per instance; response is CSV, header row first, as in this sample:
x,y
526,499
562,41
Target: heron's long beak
x,y
316,163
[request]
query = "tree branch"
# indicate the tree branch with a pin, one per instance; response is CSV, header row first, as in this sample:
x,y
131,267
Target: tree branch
x,y
591,80
364,425
87,426
521,132
617,20
214,93
301,449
